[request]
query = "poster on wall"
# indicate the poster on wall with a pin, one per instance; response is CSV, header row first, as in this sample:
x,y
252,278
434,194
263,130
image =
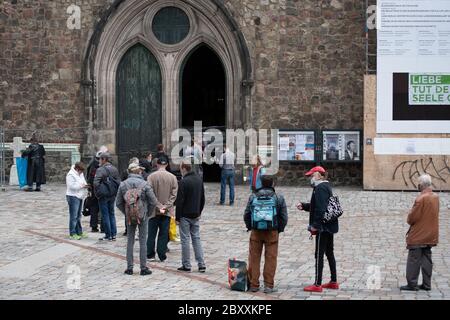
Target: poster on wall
x,y
296,145
341,146
413,69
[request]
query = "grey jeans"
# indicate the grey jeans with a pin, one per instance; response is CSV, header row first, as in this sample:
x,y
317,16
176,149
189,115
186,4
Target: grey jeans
x,y
143,229
419,259
190,229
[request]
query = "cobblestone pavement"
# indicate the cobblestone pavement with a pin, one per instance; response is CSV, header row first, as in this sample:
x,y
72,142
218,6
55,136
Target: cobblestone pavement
x,y
37,261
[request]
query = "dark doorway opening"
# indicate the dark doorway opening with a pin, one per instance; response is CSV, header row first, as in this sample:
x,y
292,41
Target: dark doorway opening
x,y
203,90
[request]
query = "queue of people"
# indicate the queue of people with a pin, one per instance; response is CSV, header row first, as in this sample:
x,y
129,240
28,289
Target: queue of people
x,y
146,194
150,201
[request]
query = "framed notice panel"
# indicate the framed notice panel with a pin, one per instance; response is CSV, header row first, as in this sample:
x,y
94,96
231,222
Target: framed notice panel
x,y
297,146
341,146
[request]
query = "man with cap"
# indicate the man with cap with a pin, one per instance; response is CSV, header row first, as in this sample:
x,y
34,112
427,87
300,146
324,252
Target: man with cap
x,y
165,186
324,232
93,207
105,172
148,200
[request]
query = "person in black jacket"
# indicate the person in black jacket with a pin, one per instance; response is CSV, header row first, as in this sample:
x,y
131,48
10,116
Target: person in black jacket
x,y
189,206
35,154
264,238
324,232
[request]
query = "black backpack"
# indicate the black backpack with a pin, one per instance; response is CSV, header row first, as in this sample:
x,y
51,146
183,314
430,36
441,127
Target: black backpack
x,y
107,188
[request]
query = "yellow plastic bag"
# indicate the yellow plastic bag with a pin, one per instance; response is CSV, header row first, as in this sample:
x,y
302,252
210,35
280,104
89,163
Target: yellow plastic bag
x,y
173,230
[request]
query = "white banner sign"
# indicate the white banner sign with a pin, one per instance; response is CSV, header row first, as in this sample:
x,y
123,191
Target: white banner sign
x,y
413,66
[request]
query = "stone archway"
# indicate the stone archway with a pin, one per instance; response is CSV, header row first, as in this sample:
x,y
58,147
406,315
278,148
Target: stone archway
x,y
127,23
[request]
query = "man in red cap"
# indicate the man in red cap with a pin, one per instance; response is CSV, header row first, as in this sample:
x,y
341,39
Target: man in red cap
x,y
324,232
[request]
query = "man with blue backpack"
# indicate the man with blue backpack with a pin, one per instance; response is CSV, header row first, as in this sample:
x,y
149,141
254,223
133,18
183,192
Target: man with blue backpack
x,y
266,216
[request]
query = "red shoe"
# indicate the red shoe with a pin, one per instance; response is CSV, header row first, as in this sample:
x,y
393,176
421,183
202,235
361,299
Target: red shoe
x,y
313,288
331,285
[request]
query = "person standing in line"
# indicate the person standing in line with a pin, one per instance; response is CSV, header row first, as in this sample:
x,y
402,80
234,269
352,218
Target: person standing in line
x,y
94,208
266,237
422,235
124,176
146,163
75,194
189,206
35,154
133,189
165,187
195,153
106,184
161,152
324,232
226,162
256,172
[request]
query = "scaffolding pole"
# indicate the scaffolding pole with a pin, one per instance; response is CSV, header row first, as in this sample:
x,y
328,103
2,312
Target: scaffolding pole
x,y
2,160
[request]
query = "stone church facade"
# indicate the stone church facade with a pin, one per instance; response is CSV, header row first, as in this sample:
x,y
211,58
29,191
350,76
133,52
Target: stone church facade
x,y
126,76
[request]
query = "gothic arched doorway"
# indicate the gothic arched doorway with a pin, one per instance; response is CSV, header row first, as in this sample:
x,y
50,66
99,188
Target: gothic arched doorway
x,y
203,96
138,100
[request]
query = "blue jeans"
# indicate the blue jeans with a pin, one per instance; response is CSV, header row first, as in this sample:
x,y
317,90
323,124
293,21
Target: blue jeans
x,y
190,231
227,178
162,223
108,217
75,207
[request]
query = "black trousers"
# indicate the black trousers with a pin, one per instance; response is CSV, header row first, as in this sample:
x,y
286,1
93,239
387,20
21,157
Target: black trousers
x,y
95,219
325,245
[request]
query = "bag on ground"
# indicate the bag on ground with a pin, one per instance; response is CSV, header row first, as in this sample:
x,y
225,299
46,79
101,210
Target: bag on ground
x,y
237,275
134,205
173,230
334,209
264,213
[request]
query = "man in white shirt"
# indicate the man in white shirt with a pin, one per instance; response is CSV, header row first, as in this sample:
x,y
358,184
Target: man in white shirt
x,y
226,162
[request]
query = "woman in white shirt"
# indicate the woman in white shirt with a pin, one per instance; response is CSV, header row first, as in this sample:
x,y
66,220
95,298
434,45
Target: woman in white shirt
x,y
76,193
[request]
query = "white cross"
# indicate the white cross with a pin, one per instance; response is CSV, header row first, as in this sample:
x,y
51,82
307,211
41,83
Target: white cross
x,y
17,146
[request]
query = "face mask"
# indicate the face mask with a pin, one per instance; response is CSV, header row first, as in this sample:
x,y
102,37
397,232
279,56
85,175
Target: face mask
x,y
312,182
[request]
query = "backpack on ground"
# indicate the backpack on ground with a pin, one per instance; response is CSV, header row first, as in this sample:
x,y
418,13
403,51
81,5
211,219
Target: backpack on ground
x,y
108,187
334,209
237,275
264,213
134,204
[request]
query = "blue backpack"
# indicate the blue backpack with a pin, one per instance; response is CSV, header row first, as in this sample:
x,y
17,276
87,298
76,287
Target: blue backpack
x,y
264,213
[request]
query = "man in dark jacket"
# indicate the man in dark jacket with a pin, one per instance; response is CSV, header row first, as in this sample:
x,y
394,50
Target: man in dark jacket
x,y
264,238
92,199
324,232
106,204
35,153
189,206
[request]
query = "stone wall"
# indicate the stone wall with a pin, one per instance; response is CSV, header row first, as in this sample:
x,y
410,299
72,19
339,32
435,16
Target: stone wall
x,y
339,174
57,164
307,58
40,63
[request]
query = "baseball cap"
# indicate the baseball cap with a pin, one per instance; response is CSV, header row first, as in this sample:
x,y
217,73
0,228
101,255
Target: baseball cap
x,y
315,169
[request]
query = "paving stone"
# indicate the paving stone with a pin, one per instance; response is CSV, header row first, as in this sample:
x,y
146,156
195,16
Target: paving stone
x,y
371,234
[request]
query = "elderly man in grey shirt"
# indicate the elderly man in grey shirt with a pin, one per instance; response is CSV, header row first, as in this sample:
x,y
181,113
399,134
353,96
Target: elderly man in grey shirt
x,y
226,162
